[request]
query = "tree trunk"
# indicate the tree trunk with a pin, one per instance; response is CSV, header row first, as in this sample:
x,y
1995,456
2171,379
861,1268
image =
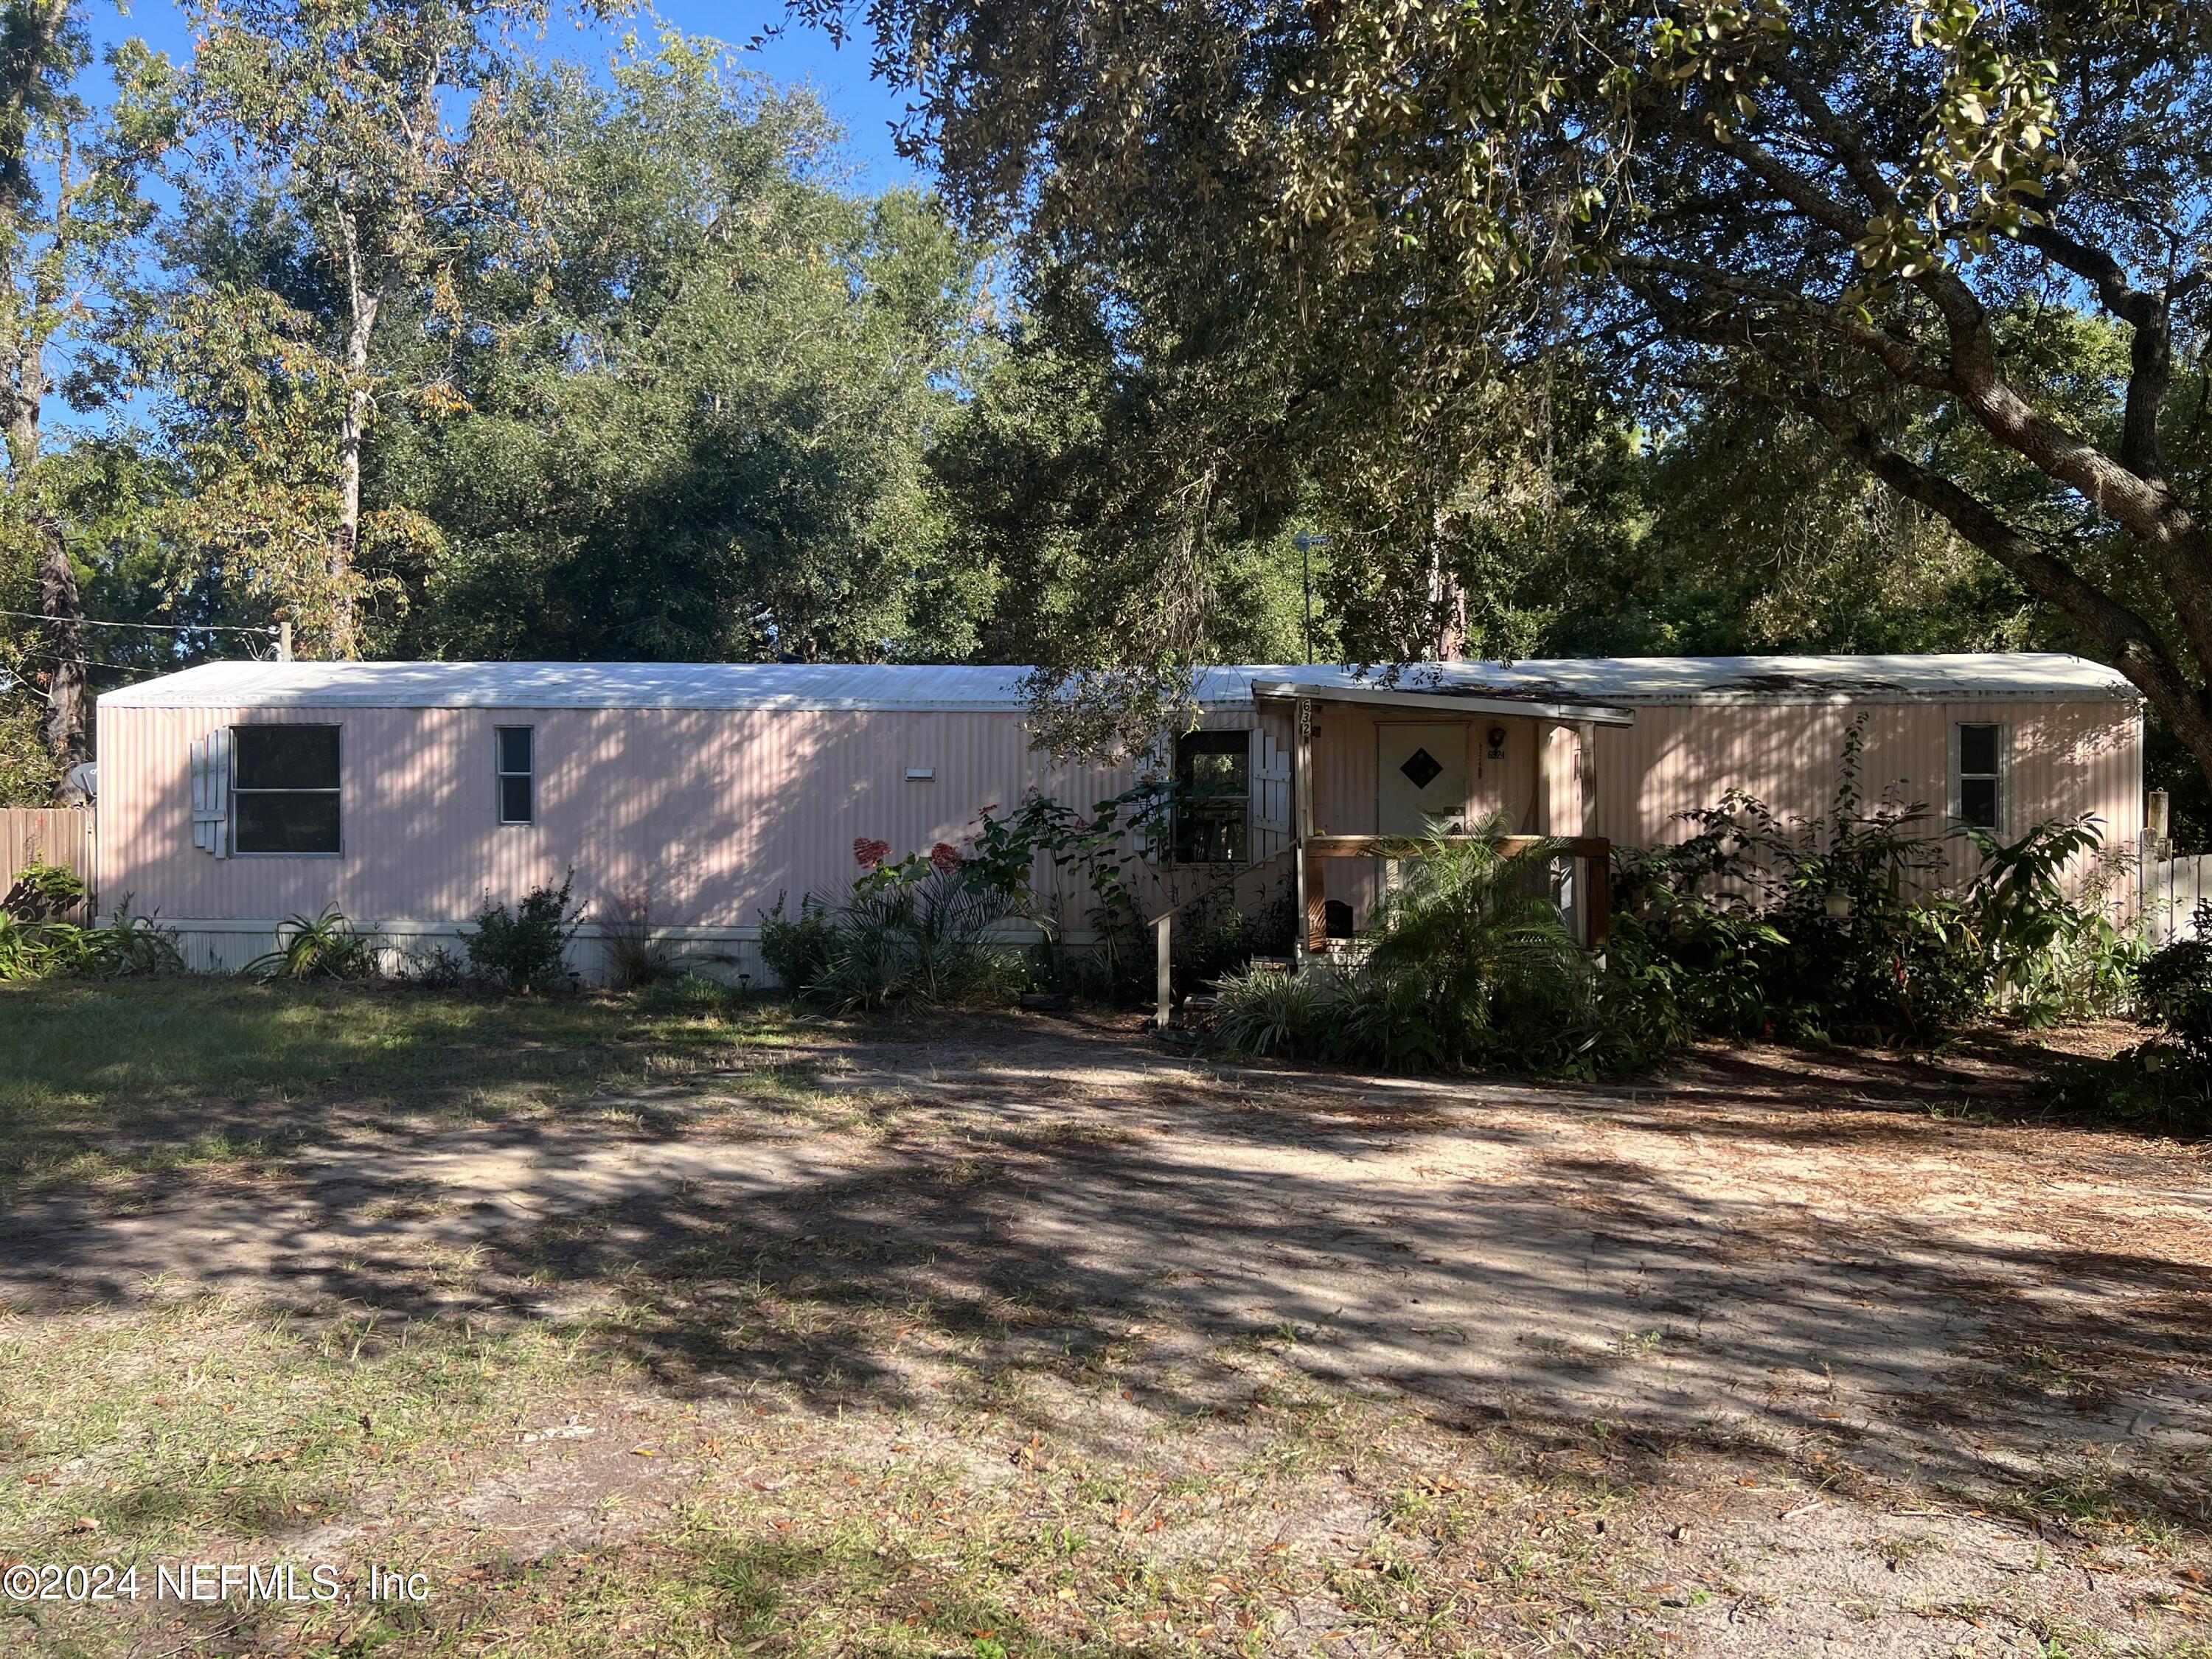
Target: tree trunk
x,y
345,545
1447,599
353,424
66,740
22,393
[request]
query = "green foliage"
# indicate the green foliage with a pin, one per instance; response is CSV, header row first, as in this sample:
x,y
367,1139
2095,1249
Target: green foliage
x,y
125,947
1264,1010
525,948
696,427
325,946
1840,928
43,892
1468,964
2048,957
2174,1069
1423,268
1093,852
796,948
2166,1080
919,943
914,935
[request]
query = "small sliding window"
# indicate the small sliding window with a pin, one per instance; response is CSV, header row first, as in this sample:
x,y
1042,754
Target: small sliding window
x,y
285,790
518,773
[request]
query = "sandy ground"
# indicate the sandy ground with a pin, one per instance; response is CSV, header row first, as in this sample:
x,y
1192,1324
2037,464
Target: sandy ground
x,y
1910,1372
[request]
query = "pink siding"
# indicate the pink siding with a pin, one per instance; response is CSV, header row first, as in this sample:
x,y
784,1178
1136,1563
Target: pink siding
x,y
2068,758
713,813
709,813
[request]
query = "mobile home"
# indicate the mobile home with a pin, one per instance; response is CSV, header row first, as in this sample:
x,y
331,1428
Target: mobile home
x,y
233,796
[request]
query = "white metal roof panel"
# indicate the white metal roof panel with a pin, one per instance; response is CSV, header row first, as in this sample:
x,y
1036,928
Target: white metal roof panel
x,y
575,685
1618,680
1633,680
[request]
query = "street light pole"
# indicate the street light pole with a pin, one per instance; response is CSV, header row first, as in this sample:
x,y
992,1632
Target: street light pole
x,y
1307,542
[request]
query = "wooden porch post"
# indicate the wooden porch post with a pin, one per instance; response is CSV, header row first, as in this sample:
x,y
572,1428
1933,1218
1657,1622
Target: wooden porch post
x,y
1312,899
1163,968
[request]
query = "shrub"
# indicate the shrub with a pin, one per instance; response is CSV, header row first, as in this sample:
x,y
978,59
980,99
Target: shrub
x,y
43,892
527,948
436,969
796,949
1838,928
2047,956
635,957
329,946
1263,1011
917,942
1470,964
2166,1079
2176,986
915,932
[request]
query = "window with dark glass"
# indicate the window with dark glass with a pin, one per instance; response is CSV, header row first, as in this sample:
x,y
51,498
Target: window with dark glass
x,y
284,788
1981,775
518,802
1213,797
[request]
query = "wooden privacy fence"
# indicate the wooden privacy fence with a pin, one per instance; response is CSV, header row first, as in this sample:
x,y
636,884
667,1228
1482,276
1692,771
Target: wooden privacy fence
x,y
2171,889
55,834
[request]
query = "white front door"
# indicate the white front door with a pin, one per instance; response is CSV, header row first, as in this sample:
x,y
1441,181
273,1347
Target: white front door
x,y
1420,781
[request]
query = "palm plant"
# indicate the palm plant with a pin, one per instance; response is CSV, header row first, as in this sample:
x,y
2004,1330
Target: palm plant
x,y
1498,975
327,946
918,941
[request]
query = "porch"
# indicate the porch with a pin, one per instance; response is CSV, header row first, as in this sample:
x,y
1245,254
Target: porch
x,y
1377,774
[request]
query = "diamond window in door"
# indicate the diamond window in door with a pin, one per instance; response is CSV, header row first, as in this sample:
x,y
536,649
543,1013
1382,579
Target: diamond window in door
x,y
1422,768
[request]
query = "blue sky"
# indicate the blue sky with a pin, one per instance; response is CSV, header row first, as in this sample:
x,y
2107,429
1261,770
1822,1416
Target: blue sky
x,y
802,55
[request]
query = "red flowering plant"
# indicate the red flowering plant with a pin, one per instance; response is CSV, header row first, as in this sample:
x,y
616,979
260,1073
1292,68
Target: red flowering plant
x,y
879,870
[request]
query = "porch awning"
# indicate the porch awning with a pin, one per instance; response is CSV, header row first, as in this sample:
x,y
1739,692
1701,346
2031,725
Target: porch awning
x,y
1445,702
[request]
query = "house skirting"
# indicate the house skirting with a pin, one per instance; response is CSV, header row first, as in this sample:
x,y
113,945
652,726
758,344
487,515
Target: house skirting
x,y
729,954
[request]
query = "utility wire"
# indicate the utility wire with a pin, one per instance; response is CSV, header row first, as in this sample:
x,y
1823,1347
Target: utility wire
x,y
151,628
93,662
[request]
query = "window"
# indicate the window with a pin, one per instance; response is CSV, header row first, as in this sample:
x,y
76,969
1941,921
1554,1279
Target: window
x,y
1213,797
517,766
1980,772
284,789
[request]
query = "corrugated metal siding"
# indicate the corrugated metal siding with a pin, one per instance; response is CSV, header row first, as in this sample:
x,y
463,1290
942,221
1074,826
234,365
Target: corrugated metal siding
x,y
2068,758
710,815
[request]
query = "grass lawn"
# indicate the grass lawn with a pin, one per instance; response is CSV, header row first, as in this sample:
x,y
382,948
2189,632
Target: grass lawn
x,y
672,1324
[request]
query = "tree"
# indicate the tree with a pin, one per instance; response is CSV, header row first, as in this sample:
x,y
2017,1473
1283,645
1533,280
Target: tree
x,y
692,400
375,131
1135,159
70,205
1868,213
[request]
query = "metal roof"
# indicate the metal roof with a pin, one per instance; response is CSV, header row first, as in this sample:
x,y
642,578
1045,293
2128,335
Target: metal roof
x,y
575,685
1960,676
1442,698
1626,681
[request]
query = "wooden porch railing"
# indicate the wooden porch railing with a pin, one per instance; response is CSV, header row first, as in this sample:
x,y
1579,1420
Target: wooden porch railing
x,y
1162,944
1592,856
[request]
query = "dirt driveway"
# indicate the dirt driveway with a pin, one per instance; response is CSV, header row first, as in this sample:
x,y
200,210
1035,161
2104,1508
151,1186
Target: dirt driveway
x,y
1784,1355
